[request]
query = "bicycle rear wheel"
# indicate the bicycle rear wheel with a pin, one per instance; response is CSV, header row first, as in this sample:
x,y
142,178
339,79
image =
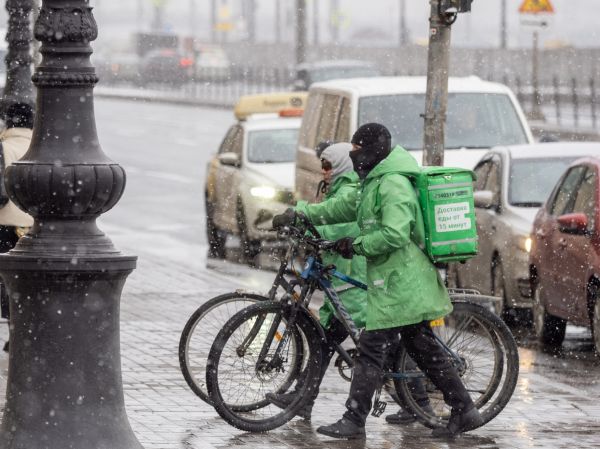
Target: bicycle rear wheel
x,y
489,364
235,376
200,332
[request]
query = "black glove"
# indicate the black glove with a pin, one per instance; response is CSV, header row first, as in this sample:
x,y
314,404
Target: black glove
x,y
288,218
344,247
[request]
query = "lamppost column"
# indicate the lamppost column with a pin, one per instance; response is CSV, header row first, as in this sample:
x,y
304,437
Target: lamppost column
x,y
65,277
18,86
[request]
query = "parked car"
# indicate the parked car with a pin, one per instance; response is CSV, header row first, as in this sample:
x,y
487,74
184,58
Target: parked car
x,y
211,63
565,255
118,68
480,115
166,65
512,184
315,72
251,178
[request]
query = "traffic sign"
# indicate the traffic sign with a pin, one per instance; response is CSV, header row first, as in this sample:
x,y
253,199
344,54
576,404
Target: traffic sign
x,y
536,7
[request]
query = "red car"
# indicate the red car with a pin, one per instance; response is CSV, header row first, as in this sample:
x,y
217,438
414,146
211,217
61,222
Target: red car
x,y
565,255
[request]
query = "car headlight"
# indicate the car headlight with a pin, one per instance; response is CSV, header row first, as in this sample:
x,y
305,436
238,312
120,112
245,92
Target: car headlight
x,y
525,243
266,192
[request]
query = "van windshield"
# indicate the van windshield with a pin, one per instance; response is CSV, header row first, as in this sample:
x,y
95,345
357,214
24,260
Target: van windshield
x,y
474,120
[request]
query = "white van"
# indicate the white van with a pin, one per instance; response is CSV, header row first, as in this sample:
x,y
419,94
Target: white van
x,y
480,115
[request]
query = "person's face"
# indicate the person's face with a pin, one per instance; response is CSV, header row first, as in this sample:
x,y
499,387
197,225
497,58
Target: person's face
x,y
326,170
355,147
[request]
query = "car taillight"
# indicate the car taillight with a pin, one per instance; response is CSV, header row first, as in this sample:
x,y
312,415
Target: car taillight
x,y
186,62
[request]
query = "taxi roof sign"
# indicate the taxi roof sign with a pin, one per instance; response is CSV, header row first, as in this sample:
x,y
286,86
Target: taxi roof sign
x,y
536,7
269,103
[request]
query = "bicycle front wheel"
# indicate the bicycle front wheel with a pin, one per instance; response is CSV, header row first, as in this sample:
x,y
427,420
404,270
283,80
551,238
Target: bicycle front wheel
x,y
200,332
235,375
485,354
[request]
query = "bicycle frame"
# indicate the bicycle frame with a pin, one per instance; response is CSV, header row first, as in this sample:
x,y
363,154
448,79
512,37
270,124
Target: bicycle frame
x,y
314,275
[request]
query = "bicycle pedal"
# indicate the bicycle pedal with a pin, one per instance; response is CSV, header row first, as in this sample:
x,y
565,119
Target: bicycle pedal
x,y
379,409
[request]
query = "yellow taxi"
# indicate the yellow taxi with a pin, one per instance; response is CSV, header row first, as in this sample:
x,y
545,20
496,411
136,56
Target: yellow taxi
x,y
251,177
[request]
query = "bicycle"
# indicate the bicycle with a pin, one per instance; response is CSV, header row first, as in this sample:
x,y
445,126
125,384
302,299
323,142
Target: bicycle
x,y
257,345
204,324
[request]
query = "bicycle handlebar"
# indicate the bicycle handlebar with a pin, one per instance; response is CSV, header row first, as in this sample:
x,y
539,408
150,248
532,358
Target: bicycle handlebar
x,y
300,234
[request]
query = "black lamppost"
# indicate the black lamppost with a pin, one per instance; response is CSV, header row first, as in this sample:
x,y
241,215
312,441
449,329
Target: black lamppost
x,y
18,86
65,277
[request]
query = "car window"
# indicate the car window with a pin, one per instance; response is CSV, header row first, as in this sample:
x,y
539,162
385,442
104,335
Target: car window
x,y
585,202
481,172
328,118
237,142
531,180
228,140
312,114
342,133
565,195
473,120
494,178
274,145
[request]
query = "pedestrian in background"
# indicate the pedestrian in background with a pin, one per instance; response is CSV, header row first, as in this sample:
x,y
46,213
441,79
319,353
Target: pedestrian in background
x,y
14,143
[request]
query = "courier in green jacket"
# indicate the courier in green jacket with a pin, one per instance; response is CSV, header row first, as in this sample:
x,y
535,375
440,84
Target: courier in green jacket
x,y
339,178
405,290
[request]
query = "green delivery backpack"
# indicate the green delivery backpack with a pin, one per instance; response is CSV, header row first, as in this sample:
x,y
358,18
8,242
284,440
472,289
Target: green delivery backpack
x,y
446,198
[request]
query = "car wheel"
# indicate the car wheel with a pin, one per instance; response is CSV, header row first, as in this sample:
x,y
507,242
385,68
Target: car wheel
x,y
250,248
596,326
549,329
216,238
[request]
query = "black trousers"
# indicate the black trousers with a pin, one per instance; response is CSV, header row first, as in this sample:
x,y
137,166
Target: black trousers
x,y
336,334
8,240
426,352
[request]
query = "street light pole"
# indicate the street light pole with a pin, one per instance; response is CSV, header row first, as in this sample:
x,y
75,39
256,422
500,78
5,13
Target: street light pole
x,y
334,20
300,31
503,26
436,101
64,278
18,86
403,33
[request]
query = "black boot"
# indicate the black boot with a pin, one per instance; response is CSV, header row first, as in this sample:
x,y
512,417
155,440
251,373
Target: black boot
x,y
284,400
403,417
460,421
344,428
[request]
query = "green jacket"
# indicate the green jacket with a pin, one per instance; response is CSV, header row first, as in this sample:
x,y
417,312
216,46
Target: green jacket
x,y
353,298
404,286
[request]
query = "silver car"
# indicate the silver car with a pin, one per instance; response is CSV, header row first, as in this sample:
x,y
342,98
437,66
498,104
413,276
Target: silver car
x,y
512,183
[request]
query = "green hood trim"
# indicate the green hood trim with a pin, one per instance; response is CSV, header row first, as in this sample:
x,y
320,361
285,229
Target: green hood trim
x,y
350,177
398,161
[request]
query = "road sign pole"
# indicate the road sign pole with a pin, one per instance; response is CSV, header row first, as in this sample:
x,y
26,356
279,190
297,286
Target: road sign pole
x,y
536,111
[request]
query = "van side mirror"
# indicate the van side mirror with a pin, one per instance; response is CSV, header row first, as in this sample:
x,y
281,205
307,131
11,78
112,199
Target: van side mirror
x,y
229,158
573,224
484,199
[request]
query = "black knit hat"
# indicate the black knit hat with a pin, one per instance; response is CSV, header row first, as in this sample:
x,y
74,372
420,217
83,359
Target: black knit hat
x,y
19,115
373,135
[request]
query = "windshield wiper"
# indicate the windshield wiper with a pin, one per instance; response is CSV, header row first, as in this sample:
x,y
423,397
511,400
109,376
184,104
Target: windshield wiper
x,y
526,204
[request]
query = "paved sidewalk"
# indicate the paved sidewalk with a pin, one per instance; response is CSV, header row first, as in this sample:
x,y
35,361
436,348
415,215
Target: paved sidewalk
x,y
160,296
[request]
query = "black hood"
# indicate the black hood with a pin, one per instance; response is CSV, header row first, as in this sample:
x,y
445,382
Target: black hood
x,y
376,144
